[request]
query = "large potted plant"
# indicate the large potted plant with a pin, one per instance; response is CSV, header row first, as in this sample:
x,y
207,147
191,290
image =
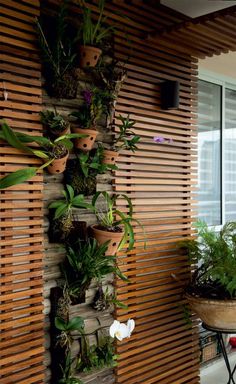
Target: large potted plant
x,y
212,290
58,50
113,225
125,139
87,116
93,34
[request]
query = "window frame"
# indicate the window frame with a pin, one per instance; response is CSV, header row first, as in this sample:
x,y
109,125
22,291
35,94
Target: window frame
x,y
226,83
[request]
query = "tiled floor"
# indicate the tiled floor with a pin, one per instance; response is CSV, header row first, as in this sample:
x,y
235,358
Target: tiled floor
x,y
216,373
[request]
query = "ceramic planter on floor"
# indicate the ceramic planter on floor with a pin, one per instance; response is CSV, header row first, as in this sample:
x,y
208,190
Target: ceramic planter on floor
x,y
58,165
219,314
109,157
89,56
102,236
85,143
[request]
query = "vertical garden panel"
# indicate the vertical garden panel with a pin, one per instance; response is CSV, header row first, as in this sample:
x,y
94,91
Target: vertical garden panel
x,y
21,302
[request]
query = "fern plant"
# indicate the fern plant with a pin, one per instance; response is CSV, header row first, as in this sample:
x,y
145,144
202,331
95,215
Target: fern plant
x,y
215,255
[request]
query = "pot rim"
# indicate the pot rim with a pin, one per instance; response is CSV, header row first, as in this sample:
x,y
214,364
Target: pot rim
x,y
115,234
223,302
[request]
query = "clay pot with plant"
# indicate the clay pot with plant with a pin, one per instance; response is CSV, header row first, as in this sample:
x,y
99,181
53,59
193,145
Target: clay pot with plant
x,y
87,116
62,220
113,225
85,262
53,153
211,291
93,34
81,172
54,124
58,51
125,139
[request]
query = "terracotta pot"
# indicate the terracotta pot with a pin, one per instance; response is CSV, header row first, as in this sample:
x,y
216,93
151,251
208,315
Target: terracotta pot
x,y
102,236
110,157
58,165
86,143
218,314
89,56
58,134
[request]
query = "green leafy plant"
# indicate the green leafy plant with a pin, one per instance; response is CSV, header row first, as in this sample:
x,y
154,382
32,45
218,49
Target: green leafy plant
x,y
114,220
105,299
215,253
65,338
85,262
64,207
96,356
68,372
126,139
48,150
54,122
58,49
94,32
81,172
95,103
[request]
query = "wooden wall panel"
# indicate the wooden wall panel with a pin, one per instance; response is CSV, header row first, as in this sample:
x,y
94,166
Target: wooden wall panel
x,y
21,303
159,178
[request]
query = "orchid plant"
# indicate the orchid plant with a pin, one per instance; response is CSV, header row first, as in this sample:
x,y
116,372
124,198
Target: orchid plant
x,y
95,102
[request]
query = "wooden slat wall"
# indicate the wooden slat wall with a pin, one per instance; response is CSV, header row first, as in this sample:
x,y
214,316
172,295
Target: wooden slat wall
x,y
21,306
159,178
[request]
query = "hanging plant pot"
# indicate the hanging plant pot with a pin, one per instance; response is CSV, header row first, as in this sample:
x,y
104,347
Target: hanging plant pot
x,y
89,56
219,314
85,143
57,133
101,235
58,165
109,157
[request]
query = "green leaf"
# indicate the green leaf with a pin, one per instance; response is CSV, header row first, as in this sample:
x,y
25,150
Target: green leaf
x,y
76,324
55,204
70,191
12,139
60,211
17,177
60,324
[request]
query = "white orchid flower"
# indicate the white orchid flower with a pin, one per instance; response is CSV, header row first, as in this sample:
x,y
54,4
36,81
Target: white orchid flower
x,y
121,330
130,326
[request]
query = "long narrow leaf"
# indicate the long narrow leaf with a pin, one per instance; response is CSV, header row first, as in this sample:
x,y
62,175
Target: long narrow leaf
x,y
17,177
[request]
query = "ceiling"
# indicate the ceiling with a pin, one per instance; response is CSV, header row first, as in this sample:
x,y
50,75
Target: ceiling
x,y
195,8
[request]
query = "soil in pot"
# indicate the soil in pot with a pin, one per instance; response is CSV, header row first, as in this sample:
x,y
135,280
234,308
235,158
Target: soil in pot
x,y
89,56
85,143
102,235
109,157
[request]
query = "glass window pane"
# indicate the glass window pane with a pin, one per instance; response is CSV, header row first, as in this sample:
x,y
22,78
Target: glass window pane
x,y
209,152
230,155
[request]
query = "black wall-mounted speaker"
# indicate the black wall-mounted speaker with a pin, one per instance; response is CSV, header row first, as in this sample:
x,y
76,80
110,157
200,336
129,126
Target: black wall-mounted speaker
x,y
169,94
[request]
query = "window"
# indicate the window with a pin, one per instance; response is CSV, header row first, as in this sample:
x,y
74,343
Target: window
x,y
216,152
